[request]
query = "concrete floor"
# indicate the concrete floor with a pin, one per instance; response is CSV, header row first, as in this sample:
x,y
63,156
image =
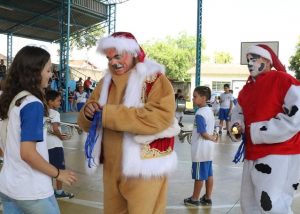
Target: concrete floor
x,y
227,176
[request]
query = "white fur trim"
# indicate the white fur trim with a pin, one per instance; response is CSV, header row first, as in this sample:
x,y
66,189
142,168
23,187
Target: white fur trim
x,y
133,91
260,51
172,131
105,88
150,67
133,165
121,44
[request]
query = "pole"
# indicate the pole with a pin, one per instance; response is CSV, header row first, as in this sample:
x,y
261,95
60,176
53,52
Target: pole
x,y
199,38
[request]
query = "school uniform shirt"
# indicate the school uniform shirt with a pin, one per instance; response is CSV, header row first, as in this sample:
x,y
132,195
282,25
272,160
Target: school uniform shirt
x,y
202,149
52,140
81,98
225,100
18,180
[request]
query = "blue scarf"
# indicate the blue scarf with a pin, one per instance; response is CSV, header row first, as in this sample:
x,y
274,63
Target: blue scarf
x,y
241,151
92,138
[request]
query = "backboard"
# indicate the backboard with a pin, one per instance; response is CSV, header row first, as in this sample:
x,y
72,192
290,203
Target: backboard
x,y
245,46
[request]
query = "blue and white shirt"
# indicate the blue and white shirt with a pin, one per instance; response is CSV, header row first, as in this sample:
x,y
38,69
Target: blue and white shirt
x,y
52,140
19,180
81,98
202,149
225,99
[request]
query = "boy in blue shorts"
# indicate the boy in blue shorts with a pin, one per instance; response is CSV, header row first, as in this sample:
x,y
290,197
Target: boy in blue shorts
x,y
202,147
54,140
226,104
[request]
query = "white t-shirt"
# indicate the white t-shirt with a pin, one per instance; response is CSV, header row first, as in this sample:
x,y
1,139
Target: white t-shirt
x,y
19,180
52,140
201,149
81,98
225,100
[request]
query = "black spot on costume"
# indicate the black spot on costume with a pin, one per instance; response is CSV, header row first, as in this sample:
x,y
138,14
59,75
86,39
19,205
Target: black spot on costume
x,y
265,201
293,111
263,128
264,168
295,186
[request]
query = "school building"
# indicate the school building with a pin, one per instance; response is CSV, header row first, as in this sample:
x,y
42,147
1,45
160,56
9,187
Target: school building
x,y
216,75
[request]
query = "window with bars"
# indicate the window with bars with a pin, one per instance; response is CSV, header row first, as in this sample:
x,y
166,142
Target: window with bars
x,y
219,85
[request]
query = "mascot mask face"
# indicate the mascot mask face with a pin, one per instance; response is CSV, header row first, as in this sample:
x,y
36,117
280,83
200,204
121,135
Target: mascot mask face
x,y
119,63
256,64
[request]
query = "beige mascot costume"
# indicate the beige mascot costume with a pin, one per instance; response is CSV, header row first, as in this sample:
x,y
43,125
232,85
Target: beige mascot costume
x,y
132,114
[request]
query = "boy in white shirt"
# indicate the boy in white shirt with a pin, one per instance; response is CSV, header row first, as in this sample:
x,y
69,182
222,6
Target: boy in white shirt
x,y
226,104
202,146
54,140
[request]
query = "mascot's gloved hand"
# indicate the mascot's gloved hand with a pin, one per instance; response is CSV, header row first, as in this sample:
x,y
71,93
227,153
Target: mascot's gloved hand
x,y
92,137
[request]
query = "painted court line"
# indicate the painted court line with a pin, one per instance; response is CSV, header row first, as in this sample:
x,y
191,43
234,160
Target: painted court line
x,y
99,205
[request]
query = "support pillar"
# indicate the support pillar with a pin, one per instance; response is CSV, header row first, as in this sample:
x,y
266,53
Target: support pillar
x,y
111,18
9,49
64,70
199,40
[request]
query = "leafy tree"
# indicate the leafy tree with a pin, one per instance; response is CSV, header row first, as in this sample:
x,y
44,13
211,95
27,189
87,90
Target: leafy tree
x,y
87,38
176,54
295,61
223,58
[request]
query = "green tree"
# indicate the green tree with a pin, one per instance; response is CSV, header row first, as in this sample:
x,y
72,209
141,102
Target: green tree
x,y
176,54
295,61
87,38
223,58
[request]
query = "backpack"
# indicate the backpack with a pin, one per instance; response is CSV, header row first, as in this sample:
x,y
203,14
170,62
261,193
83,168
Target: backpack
x,y
4,123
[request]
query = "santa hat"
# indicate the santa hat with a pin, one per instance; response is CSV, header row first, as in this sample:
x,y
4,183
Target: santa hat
x,y
267,53
122,42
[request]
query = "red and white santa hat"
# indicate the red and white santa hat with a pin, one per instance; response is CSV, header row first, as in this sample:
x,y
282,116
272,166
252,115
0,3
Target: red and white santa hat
x,y
122,42
267,53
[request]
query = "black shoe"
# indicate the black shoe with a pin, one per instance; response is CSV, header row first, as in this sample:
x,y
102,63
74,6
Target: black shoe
x,y
64,195
228,133
190,202
205,202
186,199
180,124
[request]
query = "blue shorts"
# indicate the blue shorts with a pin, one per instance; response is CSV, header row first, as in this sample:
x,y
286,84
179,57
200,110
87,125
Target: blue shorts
x,y
79,106
224,114
45,206
202,170
57,157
